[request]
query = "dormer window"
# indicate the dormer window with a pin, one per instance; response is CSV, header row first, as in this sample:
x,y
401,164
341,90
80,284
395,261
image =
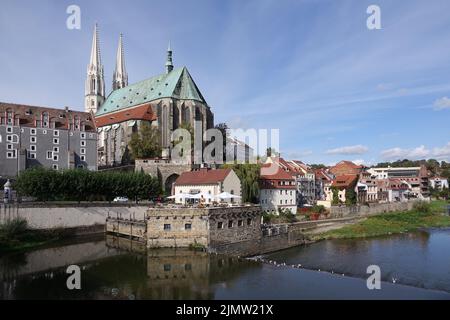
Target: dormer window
x,y
45,120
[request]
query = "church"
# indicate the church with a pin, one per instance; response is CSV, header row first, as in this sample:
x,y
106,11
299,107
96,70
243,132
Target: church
x,y
165,101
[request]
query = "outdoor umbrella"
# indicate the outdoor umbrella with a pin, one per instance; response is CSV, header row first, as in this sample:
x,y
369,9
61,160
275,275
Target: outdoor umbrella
x,y
226,195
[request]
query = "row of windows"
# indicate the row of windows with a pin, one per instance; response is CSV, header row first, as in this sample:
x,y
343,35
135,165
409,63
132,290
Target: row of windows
x,y
286,192
266,201
220,225
33,132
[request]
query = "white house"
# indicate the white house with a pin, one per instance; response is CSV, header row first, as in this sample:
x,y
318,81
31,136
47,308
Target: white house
x,y
438,183
208,181
277,191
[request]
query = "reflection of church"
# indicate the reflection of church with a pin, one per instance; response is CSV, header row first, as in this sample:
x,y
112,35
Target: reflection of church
x,y
165,101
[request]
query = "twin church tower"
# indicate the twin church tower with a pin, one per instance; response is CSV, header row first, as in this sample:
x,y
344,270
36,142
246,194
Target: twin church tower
x,y
95,82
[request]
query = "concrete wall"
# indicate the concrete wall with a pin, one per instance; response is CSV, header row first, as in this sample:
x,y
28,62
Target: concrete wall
x,y
44,217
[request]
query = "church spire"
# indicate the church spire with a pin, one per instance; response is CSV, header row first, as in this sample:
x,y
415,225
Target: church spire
x,y
120,76
169,64
95,83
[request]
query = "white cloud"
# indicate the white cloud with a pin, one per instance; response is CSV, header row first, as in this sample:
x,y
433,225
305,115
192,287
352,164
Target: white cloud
x,y
298,155
421,152
399,153
442,103
442,153
358,149
361,162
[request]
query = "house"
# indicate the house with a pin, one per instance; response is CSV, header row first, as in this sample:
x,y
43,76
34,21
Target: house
x,y
439,183
208,181
346,168
57,139
304,178
343,184
398,190
367,188
277,189
322,179
415,177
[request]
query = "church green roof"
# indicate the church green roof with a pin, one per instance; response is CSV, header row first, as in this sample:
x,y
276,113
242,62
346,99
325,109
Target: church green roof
x,y
176,84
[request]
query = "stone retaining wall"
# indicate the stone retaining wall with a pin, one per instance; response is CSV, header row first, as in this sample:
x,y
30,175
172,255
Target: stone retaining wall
x,y
58,216
342,212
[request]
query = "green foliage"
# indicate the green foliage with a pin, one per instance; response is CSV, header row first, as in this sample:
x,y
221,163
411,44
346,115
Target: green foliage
x,y
422,206
350,196
318,209
146,142
83,185
14,228
283,216
422,216
335,200
249,176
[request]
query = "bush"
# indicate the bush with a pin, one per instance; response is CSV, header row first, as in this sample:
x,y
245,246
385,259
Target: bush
x,y
318,209
83,185
13,229
422,207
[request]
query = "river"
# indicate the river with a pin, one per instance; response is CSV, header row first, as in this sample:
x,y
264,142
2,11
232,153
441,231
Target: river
x,y
113,268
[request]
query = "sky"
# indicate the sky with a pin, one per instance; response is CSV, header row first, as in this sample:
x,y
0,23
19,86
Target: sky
x,y
310,68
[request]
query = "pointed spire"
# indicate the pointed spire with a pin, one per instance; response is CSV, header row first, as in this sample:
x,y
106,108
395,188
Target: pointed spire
x,y
95,50
120,76
95,83
169,64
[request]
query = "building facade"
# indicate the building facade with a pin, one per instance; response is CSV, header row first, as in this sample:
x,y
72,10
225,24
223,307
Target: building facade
x,y
38,136
439,183
208,181
415,177
277,191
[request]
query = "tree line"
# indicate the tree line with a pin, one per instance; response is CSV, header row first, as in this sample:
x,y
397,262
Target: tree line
x,y
83,185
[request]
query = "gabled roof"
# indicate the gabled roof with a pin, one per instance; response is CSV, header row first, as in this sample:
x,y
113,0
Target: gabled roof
x,y
280,174
202,177
62,118
143,112
176,84
344,181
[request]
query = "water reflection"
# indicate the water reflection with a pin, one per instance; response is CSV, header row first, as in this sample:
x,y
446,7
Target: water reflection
x,y
419,259
124,270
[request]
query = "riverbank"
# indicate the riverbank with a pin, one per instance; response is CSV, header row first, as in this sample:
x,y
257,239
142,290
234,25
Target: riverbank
x,y
15,236
423,215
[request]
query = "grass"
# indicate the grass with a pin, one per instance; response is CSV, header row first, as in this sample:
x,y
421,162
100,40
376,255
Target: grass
x,y
16,236
422,216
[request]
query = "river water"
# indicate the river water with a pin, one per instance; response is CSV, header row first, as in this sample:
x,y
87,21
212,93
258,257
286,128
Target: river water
x,y
113,268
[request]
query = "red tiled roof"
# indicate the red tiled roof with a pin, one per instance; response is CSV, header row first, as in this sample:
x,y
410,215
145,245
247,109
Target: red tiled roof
x,y
28,115
142,112
202,176
280,174
344,181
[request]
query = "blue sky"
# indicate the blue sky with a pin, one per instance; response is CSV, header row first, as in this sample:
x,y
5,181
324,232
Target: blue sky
x,y
311,68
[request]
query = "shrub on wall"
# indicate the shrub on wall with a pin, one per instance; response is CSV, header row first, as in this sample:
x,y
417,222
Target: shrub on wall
x,y
83,185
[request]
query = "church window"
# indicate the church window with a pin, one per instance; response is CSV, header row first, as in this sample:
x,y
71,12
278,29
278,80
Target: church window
x,y
33,131
55,157
49,155
83,158
32,139
56,141
9,129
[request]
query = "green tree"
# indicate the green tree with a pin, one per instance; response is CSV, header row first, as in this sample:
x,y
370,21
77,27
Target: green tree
x,y
146,142
249,175
335,192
